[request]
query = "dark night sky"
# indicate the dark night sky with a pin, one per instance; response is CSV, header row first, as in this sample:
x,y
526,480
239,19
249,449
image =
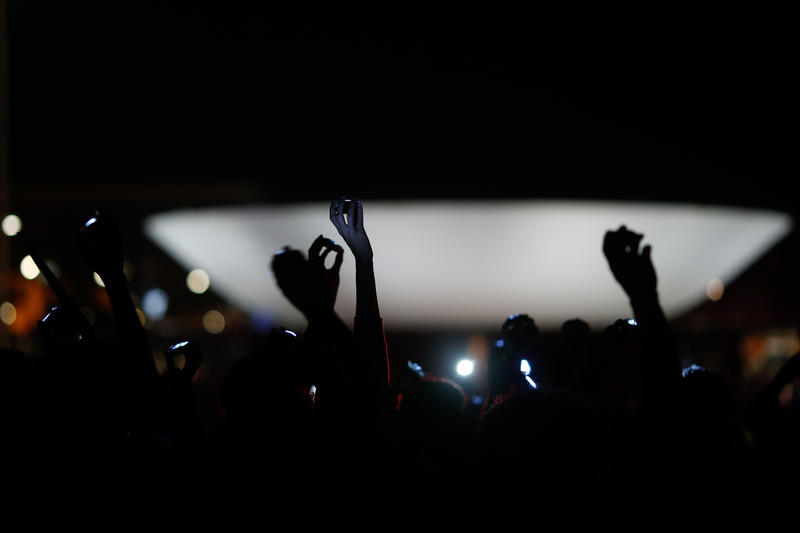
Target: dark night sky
x,y
670,101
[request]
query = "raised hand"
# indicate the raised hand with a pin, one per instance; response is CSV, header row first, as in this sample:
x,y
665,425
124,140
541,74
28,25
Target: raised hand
x,y
193,358
307,284
100,245
634,271
520,333
317,254
347,215
632,268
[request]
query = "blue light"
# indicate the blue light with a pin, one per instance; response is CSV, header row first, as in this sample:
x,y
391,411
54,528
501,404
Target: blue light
x,y
632,322
179,345
691,368
414,367
154,304
90,222
500,343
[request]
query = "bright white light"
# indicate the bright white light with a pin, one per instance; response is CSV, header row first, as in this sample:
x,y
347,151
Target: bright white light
x,y
531,382
98,280
28,268
8,313
213,321
11,225
154,304
90,222
525,367
464,367
198,281
715,289
632,322
471,264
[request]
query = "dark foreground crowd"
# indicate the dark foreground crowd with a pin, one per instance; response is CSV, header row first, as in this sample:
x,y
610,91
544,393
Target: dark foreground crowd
x,y
314,433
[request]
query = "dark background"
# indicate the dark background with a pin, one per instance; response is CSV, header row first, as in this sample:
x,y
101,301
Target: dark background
x,y
666,101
145,106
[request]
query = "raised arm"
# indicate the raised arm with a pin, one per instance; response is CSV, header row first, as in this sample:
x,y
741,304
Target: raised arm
x,y
311,288
633,269
307,283
100,244
347,216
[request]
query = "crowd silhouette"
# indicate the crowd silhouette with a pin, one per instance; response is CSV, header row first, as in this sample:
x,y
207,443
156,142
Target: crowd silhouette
x,y
312,427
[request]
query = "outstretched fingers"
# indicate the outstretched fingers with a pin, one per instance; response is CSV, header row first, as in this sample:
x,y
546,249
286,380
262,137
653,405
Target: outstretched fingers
x,y
319,250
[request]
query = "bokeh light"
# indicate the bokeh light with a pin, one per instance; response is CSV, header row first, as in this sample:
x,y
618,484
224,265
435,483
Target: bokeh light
x,y
154,304
198,281
465,367
11,225
28,268
213,321
8,313
715,289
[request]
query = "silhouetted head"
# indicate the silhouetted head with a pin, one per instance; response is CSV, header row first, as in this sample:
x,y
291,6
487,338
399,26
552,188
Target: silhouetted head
x,y
433,435
522,345
574,354
575,333
621,342
540,447
270,384
614,379
431,402
704,391
519,333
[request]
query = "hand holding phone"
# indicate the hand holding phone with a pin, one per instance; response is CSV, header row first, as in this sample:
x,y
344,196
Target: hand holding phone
x,y
193,358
